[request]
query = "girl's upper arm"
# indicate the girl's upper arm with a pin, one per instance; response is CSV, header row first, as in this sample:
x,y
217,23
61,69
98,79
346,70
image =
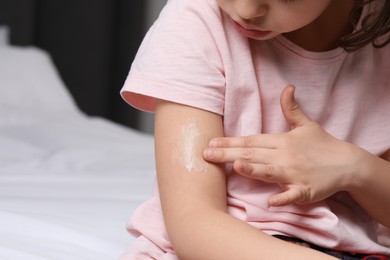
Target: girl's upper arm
x,y
186,181
193,193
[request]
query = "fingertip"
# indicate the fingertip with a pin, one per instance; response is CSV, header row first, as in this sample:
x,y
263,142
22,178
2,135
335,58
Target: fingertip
x,y
208,154
273,202
288,93
240,166
214,143
281,199
290,87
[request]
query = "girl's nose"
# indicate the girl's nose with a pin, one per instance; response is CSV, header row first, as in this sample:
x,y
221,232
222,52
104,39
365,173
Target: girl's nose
x,y
250,9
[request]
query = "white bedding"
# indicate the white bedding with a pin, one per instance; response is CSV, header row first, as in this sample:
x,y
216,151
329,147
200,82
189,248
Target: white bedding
x,y
68,182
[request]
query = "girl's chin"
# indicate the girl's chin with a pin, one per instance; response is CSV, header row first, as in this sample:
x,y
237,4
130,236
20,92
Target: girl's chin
x,y
253,34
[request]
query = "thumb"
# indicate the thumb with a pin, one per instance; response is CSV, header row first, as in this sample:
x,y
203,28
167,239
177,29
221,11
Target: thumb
x,y
291,110
293,195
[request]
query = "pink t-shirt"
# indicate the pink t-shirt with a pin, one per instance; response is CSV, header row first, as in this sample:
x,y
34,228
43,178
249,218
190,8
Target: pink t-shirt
x,y
192,55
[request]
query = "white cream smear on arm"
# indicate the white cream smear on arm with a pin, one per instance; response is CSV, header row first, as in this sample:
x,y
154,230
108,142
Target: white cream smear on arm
x,y
192,158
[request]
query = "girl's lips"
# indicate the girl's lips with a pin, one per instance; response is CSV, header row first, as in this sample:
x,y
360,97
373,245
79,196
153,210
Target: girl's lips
x,y
251,33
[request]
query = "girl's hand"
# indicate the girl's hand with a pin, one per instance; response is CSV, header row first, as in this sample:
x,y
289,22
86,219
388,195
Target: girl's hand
x,y
307,162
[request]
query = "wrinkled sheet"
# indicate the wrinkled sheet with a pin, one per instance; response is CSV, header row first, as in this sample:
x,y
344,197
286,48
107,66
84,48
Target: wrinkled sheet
x,y
68,182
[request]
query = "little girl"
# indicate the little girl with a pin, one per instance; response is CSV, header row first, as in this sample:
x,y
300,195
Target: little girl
x,y
319,171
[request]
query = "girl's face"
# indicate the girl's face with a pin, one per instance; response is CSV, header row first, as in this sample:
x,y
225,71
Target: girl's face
x,y
265,19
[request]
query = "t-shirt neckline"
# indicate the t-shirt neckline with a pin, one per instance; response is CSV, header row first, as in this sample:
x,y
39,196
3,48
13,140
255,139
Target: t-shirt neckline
x,y
335,53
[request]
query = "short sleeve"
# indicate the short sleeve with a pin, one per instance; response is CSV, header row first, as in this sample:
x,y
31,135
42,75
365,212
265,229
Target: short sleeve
x,y
179,59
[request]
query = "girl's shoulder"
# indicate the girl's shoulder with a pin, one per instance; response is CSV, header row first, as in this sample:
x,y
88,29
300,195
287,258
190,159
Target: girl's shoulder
x,y
191,21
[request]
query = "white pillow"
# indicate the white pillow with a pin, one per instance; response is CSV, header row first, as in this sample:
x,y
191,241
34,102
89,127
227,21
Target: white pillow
x,y
30,83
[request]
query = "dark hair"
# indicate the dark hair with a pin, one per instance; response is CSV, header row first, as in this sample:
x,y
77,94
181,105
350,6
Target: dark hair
x,y
374,29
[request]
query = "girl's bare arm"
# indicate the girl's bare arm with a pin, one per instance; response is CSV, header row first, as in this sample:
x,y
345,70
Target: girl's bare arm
x,y
193,194
370,186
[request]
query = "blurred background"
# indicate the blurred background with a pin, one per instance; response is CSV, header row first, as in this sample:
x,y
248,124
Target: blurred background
x,y
92,43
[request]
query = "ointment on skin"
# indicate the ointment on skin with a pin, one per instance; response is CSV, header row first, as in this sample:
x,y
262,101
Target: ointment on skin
x,y
190,150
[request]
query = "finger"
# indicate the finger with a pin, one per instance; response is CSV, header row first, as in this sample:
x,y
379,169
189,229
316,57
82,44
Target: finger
x,y
229,155
291,110
292,195
261,141
264,172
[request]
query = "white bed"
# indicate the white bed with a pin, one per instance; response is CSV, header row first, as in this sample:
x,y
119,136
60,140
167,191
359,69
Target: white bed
x,y
68,182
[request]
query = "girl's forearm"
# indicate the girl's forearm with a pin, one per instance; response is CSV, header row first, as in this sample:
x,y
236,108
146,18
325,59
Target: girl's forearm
x,y
370,187
217,235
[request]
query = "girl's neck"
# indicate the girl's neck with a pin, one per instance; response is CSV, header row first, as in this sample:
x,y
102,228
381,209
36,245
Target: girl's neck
x,y
324,33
